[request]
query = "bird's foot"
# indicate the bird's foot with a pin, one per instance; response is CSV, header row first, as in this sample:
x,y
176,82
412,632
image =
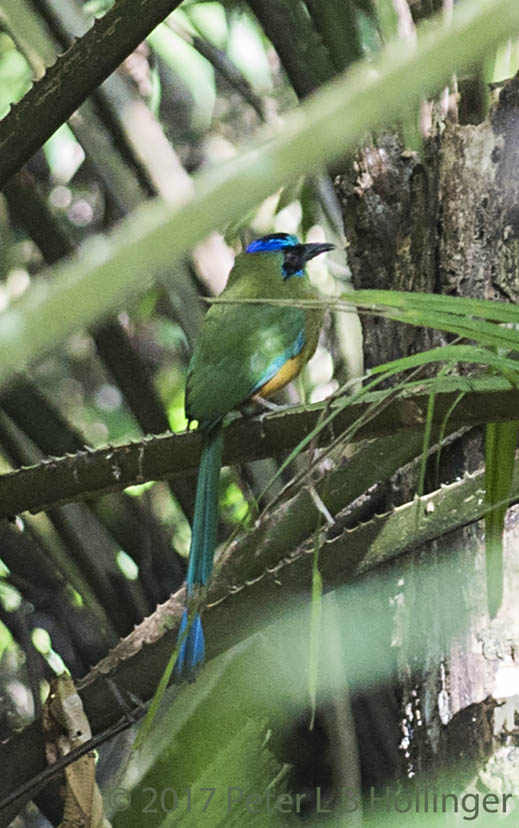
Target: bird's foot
x,y
250,408
262,402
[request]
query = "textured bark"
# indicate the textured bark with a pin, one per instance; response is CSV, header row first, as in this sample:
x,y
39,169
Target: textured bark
x,y
447,222
390,204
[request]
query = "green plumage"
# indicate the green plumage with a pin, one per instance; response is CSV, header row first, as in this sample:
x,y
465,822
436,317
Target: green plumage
x,y
237,343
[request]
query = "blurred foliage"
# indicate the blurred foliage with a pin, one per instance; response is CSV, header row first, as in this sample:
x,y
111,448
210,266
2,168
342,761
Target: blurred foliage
x,y
206,78
15,74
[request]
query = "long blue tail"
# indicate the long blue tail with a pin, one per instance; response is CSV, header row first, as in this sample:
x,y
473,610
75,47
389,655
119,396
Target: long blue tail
x,y
203,542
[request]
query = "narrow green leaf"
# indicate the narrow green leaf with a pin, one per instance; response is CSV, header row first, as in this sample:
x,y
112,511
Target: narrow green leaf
x,y
427,438
147,724
452,354
500,445
483,308
442,435
315,627
486,333
378,301
503,337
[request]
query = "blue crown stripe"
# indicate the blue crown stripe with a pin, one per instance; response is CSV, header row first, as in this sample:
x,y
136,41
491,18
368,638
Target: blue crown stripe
x,y
273,242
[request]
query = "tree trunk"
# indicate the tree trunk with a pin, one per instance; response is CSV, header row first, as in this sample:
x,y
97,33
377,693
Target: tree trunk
x,y
446,221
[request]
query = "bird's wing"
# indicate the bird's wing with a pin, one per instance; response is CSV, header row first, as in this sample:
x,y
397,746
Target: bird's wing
x,y
240,348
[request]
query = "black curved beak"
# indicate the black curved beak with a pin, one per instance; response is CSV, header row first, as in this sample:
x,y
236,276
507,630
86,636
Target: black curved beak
x,y
315,249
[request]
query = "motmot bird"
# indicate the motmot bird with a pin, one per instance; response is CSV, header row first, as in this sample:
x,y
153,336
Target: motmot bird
x,y
243,350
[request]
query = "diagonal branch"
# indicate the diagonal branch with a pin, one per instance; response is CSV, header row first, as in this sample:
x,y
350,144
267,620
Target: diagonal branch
x,y
239,606
74,76
95,472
